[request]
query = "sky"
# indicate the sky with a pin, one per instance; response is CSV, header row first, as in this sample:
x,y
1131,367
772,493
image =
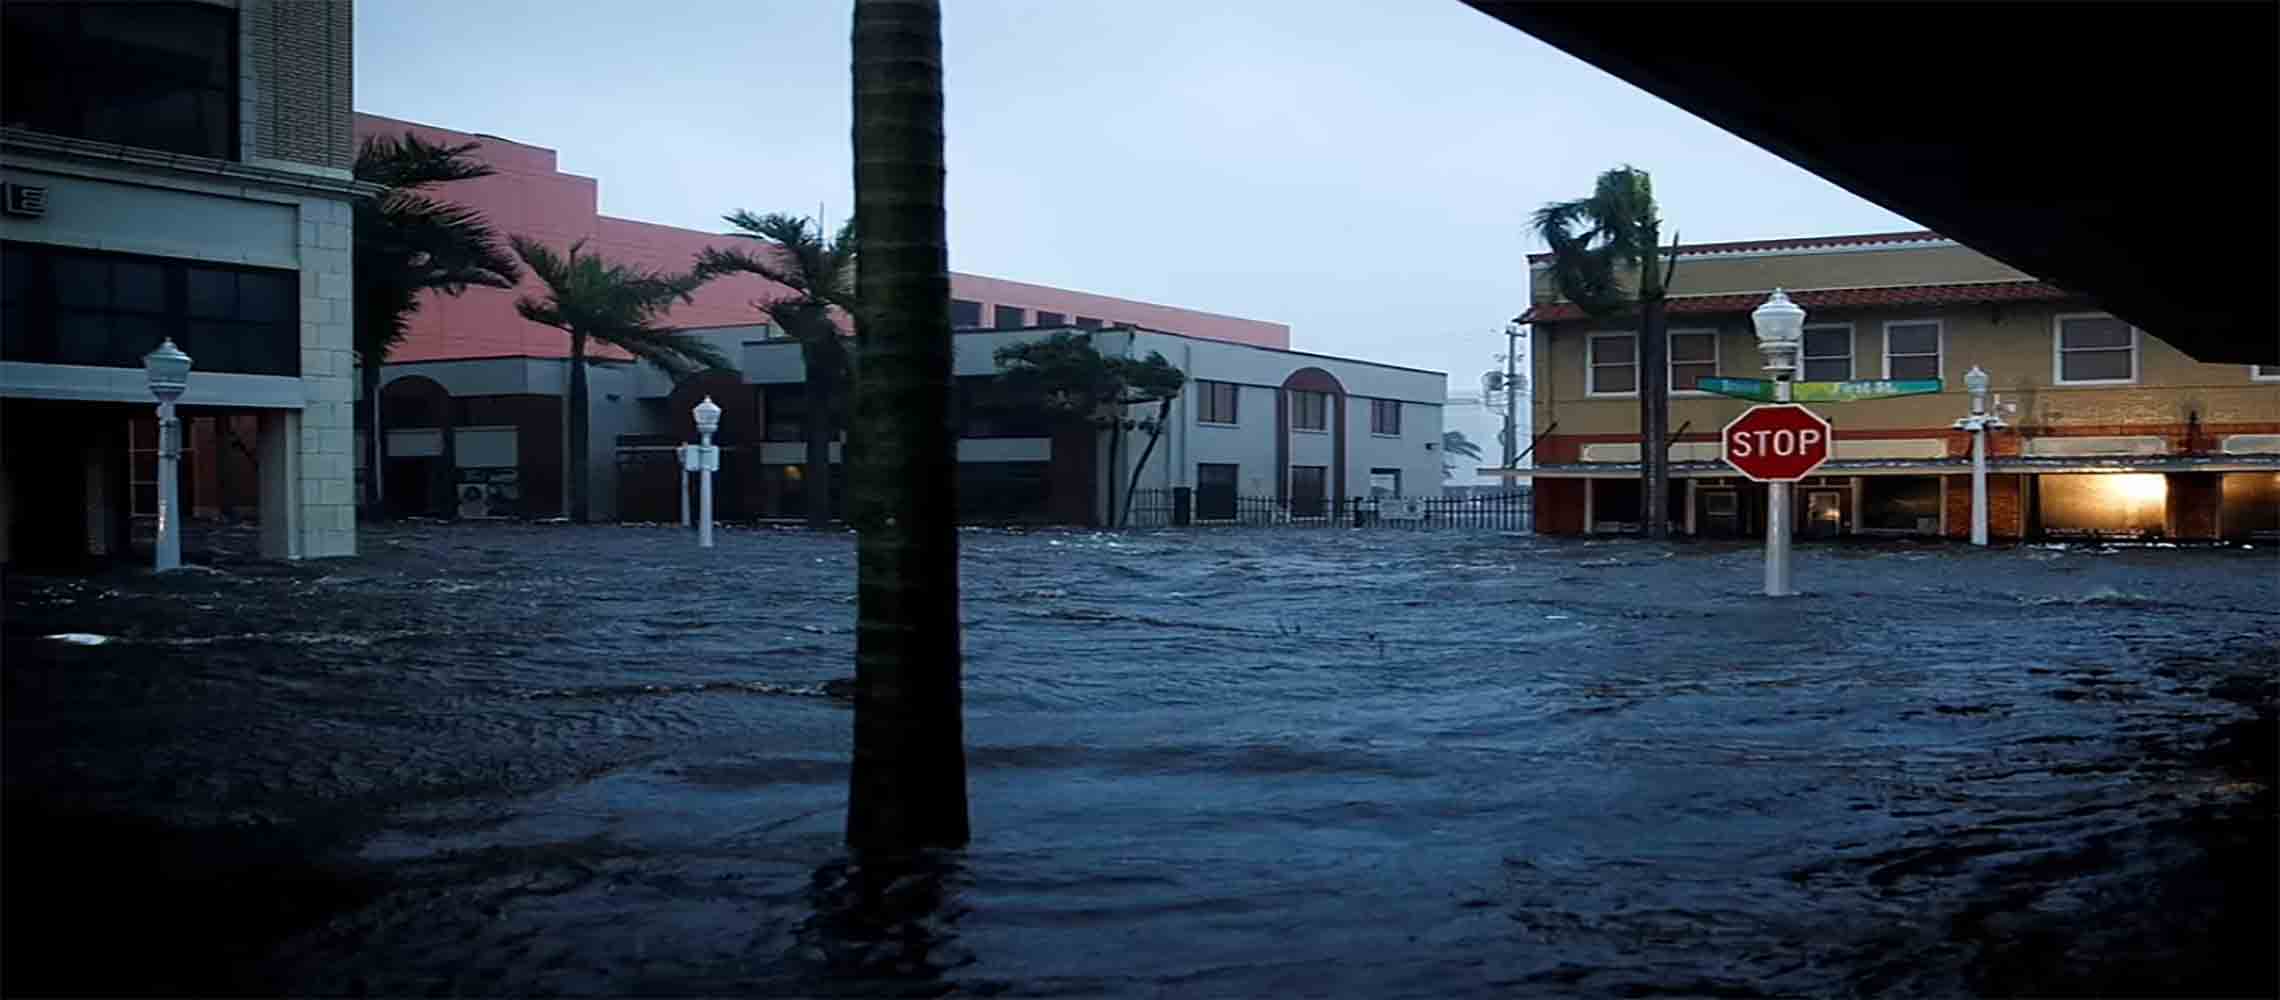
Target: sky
x,y
1362,171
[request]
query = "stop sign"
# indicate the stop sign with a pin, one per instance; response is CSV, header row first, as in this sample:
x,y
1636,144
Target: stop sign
x,y
1777,442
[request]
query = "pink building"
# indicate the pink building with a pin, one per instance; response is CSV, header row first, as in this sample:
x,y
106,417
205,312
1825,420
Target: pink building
x,y
528,196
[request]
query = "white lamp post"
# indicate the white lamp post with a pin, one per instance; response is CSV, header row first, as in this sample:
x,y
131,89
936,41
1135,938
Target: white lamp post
x,y
169,372
708,462
1780,328
1978,423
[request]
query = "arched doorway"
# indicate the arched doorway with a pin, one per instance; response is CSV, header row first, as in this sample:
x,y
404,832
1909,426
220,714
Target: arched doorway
x,y
416,457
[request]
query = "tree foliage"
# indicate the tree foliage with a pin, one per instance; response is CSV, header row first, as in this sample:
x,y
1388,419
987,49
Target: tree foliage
x,y
591,298
1600,242
408,241
1073,380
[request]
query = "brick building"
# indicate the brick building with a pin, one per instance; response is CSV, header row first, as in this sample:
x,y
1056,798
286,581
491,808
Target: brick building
x,y
175,170
2112,431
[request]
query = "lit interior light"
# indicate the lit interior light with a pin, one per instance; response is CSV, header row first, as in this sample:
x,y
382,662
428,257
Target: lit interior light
x,y
2138,488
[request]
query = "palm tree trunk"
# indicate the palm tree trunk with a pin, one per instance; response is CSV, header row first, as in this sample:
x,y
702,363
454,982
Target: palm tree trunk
x,y
1156,433
907,789
1115,450
820,429
579,511
1654,418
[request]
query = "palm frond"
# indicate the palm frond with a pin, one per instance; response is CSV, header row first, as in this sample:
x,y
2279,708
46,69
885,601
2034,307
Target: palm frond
x,y
408,161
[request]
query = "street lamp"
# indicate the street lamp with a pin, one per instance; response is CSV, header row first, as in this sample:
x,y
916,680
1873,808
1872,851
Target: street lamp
x,y
1978,423
706,458
1780,327
168,370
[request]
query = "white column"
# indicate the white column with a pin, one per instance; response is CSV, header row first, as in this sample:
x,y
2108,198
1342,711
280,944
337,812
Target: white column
x,y
277,443
1979,486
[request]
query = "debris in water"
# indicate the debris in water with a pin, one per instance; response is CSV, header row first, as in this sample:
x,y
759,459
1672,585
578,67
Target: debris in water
x,y
81,638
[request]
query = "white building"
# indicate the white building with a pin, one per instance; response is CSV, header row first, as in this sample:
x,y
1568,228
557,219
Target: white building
x,y
174,170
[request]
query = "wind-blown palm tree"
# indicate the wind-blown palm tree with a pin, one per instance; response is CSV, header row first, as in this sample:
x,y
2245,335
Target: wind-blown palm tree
x,y
822,280
1597,244
407,242
1067,376
1456,443
907,789
592,299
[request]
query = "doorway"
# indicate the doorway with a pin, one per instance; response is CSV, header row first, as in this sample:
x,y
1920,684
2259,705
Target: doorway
x,y
1824,514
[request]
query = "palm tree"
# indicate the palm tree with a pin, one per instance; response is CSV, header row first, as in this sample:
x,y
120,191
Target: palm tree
x,y
1596,242
592,299
408,242
1067,376
821,279
907,789
1456,443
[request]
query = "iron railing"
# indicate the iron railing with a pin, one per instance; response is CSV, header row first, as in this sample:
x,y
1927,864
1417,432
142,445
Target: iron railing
x,y
1183,507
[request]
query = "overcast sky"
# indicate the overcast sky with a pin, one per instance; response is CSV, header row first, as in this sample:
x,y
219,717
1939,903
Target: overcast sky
x,y
1362,171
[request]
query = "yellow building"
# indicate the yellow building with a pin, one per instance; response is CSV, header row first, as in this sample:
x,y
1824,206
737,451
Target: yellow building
x,y
2111,431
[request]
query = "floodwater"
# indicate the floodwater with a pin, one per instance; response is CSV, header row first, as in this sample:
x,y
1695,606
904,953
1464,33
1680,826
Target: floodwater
x,y
489,759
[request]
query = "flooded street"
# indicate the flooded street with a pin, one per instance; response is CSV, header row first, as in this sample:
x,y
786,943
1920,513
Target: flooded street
x,y
489,759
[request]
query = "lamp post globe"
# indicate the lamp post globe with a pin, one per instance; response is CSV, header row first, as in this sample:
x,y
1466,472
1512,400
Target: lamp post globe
x,y
708,416
1780,327
168,370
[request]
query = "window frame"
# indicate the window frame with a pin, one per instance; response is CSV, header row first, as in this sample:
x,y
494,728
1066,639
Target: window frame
x,y
978,313
998,313
1670,360
1939,344
2058,350
2255,375
1378,406
1297,411
1037,319
1852,350
1205,407
1591,366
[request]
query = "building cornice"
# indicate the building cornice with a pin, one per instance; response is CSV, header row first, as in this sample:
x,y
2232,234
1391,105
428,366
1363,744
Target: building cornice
x,y
275,174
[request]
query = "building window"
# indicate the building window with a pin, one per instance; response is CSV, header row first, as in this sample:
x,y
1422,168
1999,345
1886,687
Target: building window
x,y
156,75
1385,417
1900,505
2264,373
987,410
1215,491
1385,483
1087,323
1611,364
1828,354
1051,318
1009,317
1912,349
964,314
1693,355
1215,402
1309,411
783,411
74,307
2094,349
1309,488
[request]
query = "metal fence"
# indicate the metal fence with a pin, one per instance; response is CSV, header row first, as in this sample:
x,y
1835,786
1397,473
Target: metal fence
x,y
1183,507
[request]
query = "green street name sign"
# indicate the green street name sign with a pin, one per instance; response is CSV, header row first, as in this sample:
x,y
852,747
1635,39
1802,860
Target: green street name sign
x,y
1761,390
1849,392
1740,388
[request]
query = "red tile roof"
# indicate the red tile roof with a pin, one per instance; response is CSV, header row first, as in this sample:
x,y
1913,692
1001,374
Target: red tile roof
x,y
1793,243
1834,298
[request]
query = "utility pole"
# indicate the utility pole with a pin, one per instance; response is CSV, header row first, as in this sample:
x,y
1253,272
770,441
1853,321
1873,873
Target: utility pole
x,y
1511,394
